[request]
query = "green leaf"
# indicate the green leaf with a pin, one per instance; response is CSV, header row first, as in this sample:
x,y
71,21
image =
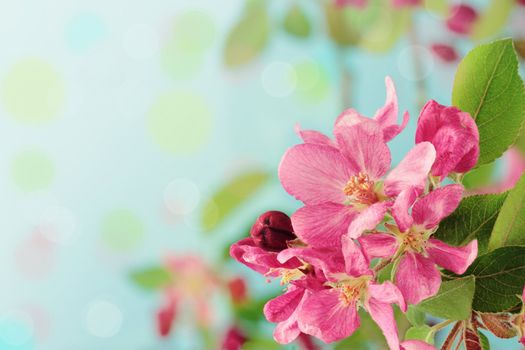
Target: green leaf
x,y
488,86
297,23
152,278
420,333
390,25
484,341
493,19
340,28
440,7
230,197
500,276
509,228
479,177
474,218
261,344
415,317
453,301
249,37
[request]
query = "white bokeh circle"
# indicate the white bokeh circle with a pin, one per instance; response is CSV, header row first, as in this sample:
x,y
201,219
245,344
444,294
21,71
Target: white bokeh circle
x,y
181,196
103,319
59,225
406,62
279,79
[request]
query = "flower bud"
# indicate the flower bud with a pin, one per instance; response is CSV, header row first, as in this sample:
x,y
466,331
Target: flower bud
x,y
462,19
444,52
233,339
272,231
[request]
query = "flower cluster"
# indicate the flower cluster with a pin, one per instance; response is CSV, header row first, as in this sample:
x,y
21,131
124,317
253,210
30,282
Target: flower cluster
x,y
360,217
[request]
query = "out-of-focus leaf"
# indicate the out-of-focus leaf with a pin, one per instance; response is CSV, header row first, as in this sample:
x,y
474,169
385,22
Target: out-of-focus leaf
x,y
479,177
415,317
499,279
474,218
390,24
509,228
231,196
453,301
493,19
419,333
261,344
152,278
340,28
439,7
488,86
249,37
297,23
251,311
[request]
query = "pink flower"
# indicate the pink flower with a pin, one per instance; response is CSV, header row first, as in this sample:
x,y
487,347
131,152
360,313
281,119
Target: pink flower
x,y
233,339
332,314
166,316
404,3
454,135
410,241
444,52
354,3
462,19
337,183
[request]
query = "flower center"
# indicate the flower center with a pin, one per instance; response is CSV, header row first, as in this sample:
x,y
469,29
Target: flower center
x,y
288,275
353,290
415,241
360,189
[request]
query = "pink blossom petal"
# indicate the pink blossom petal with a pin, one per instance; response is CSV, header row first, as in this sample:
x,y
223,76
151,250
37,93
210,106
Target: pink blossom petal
x,y
322,225
324,316
406,3
246,252
368,219
312,136
386,116
287,331
455,259
514,169
462,19
387,293
445,52
330,261
282,307
364,147
354,3
383,315
417,278
416,345
401,207
349,117
315,173
356,262
412,171
378,245
435,206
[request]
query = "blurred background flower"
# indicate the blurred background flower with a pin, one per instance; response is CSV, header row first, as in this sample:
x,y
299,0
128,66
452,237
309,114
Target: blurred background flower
x,y
139,140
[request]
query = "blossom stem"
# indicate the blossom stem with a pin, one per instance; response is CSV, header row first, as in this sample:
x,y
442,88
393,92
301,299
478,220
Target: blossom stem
x,y
436,328
449,342
382,264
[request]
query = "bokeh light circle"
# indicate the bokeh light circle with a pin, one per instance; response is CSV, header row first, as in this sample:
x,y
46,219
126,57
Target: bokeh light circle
x,y
312,81
103,319
16,328
84,30
194,31
180,122
141,42
279,79
59,225
407,66
32,170
181,196
32,91
122,230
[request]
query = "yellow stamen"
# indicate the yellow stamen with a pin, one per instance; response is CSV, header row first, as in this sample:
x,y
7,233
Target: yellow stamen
x,y
360,189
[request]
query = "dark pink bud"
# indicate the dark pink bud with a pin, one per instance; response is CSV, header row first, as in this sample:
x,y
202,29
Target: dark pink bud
x,y
238,290
165,318
233,340
521,2
462,19
272,231
445,52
